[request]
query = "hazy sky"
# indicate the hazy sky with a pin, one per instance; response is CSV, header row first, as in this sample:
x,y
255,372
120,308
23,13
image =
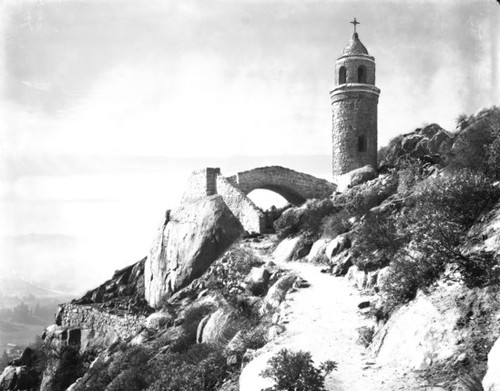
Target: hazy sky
x,y
105,106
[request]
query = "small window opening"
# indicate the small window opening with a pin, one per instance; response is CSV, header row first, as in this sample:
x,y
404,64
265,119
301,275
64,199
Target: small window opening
x,y
342,75
362,74
362,144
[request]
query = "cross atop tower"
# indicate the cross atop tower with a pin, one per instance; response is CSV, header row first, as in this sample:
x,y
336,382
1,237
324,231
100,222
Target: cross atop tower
x,y
355,22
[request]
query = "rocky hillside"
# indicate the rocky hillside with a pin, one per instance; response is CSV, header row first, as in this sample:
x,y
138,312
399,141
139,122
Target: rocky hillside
x,y
420,239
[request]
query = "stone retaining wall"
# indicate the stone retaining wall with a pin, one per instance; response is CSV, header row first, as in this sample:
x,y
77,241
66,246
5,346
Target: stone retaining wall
x,y
92,317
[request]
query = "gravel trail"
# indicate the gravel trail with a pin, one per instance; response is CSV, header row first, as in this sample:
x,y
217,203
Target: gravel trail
x,y
323,319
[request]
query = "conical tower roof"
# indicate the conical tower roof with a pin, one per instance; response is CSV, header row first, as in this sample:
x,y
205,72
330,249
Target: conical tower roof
x,y
354,47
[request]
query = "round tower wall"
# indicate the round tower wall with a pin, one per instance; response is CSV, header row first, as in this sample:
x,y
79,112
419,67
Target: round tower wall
x,y
354,136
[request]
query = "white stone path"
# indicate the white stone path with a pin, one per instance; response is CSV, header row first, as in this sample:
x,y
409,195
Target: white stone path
x,y
323,319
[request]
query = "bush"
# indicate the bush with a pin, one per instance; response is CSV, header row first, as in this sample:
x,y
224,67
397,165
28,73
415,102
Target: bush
x,y
241,260
201,367
192,318
336,224
306,219
479,270
438,225
407,275
493,159
132,357
70,368
296,372
472,146
255,337
410,173
378,239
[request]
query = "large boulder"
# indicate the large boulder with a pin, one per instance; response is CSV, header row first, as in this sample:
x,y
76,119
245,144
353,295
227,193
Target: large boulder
x,y
356,277
285,250
18,378
318,250
192,237
220,327
257,280
355,178
420,334
158,321
8,378
277,293
491,381
342,263
125,290
430,144
336,246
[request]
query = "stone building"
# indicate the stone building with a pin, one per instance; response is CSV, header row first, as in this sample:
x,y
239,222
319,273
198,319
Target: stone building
x,y
354,105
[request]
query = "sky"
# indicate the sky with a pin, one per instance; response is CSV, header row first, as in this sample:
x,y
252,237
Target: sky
x,y
107,106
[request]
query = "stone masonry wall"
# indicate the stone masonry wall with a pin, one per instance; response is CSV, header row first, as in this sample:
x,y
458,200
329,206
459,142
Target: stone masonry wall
x,y
89,317
201,183
250,216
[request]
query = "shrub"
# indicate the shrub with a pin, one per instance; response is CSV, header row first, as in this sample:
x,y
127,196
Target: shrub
x,y
97,377
255,337
493,159
479,270
306,219
407,275
70,368
410,173
336,224
472,145
201,367
438,225
132,357
41,359
378,239
241,261
295,371
192,318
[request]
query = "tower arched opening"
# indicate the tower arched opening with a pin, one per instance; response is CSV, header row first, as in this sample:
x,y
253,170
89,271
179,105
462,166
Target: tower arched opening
x,y
342,75
361,74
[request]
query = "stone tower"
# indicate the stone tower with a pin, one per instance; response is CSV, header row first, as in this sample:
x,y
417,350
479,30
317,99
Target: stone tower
x,y
354,105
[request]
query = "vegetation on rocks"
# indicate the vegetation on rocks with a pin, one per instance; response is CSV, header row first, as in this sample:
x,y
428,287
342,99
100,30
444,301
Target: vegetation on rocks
x,y
306,219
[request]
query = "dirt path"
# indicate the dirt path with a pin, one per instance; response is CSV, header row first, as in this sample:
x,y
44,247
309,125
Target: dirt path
x,y
323,319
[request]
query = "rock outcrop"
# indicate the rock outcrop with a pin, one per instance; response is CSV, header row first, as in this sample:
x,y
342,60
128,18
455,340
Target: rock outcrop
x,y
418,335
125,290
430,143
187,243
355,177
491,381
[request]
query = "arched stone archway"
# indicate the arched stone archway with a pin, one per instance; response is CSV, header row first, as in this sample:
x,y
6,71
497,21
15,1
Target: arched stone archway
x,y
294,186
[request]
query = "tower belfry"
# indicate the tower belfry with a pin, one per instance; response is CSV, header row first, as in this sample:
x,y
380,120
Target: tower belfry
x,y
354,105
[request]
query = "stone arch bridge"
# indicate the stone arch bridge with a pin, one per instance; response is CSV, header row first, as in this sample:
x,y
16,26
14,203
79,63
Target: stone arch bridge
x,y
295,187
